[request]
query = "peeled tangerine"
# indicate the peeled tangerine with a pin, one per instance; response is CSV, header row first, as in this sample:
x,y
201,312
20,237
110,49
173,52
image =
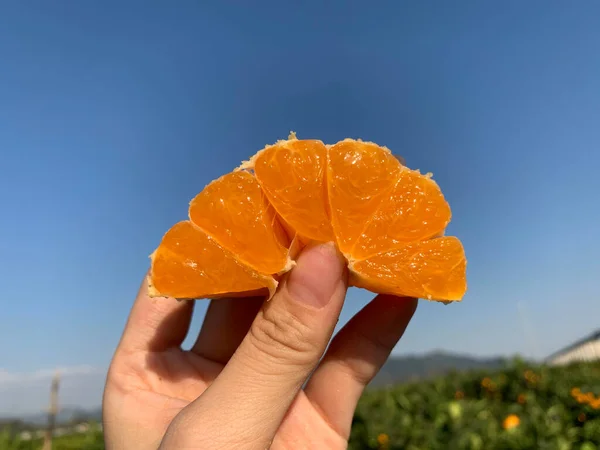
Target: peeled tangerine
x,y
246,227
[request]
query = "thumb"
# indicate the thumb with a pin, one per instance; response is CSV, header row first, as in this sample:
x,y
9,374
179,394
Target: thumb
x,y
283,346
291,332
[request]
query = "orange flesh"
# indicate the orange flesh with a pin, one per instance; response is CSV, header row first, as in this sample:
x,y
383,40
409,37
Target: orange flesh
x,y
432,269
385,218
413,210
292,175
189,264
360,175
234,211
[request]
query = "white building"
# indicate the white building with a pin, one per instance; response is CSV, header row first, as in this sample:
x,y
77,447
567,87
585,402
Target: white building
x,y
587,349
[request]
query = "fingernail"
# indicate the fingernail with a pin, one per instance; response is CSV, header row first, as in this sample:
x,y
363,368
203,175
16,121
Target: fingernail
x,y
317,275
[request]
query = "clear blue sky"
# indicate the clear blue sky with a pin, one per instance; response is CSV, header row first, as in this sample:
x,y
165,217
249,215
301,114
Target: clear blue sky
x,y
113,115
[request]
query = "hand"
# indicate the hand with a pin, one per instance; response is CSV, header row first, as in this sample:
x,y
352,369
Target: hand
x,y
242,384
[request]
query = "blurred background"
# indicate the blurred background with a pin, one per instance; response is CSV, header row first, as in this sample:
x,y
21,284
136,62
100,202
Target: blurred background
x,y
113,115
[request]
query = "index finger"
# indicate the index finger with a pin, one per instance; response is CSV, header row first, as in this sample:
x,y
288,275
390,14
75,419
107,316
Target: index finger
x,y
156,324
354,357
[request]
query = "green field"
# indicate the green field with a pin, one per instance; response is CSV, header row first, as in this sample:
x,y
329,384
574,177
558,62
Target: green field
x,y
91,440
520,407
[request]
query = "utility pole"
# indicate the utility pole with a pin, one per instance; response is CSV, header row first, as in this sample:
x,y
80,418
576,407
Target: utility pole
x,y
52,412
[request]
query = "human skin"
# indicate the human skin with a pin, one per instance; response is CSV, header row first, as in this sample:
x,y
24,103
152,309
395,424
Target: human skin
x,y
259,375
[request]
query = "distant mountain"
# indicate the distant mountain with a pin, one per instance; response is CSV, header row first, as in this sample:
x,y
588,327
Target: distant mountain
x,y
407,368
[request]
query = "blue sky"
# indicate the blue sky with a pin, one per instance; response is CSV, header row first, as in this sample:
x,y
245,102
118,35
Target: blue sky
x,y
113,115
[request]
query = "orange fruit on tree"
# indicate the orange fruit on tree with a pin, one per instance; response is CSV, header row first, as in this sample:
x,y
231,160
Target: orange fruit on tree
x,y
246,227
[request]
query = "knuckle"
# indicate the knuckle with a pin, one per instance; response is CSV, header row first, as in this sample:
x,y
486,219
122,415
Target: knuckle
x,y
282,336
379,348
375,353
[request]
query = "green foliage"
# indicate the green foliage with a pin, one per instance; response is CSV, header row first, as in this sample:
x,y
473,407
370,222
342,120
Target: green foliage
x,y
549,408
468,411
90,440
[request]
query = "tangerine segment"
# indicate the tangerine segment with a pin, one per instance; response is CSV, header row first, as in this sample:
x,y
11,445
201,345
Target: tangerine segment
x,y
188,263
360,176
234,211
414,210
292,175
433,269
